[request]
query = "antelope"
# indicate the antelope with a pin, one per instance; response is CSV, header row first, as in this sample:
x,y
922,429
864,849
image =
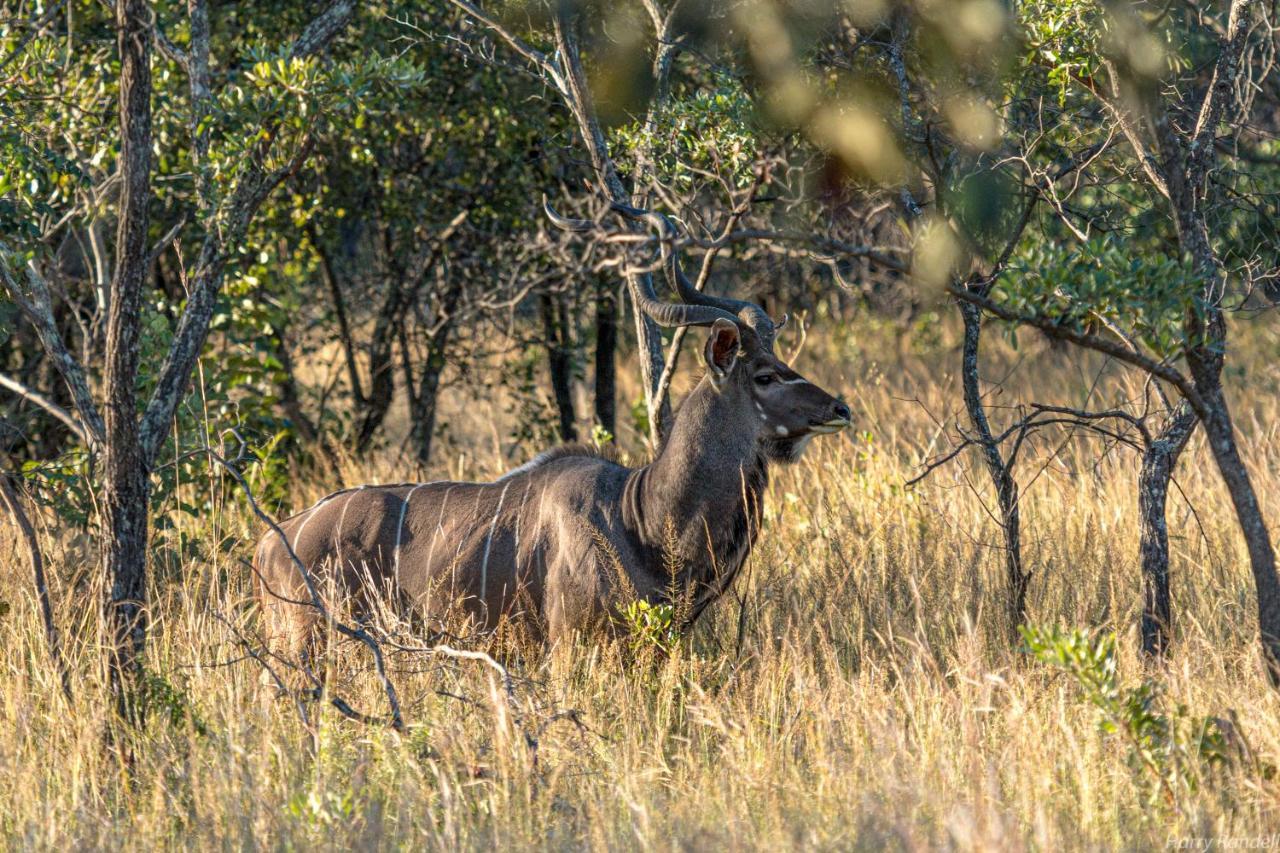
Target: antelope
x,y
547,541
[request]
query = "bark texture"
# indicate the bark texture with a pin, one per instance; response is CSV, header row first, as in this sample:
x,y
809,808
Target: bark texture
x,y
1158,462
606,380
126,485
1016,577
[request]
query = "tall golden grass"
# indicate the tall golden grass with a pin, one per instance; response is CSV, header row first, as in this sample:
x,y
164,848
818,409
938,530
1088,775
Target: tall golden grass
x,y
857,688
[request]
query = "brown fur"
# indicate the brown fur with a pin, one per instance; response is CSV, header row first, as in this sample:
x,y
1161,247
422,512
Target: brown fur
x,y
528,546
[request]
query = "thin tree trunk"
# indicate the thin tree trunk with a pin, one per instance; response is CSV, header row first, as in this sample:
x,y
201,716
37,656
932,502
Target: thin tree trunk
x,y
406,366
1016,578
404,283
126,485
1262,559
1158,462
287,385
560,360
424,403
330,275
648,337
606,392
41,584
381,362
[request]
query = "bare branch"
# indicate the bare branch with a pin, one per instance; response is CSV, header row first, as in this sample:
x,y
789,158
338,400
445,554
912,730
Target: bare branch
x,y
537,57
363,636
41,584
39,310
48,405
1118,351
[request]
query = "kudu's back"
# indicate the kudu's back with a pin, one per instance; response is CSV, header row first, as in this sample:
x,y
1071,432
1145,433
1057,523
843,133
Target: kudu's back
x,y
469,554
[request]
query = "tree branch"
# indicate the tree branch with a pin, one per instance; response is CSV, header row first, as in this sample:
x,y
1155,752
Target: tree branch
x,y
252,188
1116,350
537,57
1226,70
48,405
39,310
41,583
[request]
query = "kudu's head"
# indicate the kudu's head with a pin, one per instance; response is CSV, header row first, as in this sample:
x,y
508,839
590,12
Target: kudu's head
x,y
787,409
784,408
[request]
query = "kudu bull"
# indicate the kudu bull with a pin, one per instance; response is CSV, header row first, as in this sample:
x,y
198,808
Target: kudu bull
x,y
551,540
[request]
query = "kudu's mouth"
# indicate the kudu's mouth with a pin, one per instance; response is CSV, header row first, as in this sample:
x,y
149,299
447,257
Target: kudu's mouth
x,y
828,427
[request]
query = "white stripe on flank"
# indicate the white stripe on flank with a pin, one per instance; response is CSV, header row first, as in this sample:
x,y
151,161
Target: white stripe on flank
x,y
311,513
520,514
395,555
431,552
488,543
337,540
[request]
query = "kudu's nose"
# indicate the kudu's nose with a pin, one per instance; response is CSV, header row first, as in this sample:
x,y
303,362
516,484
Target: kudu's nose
x,y
841,412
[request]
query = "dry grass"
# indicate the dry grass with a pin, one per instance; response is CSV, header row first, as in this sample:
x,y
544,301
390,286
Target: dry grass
x,y
856,690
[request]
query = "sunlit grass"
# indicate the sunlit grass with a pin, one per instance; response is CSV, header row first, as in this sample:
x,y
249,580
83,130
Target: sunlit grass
x,y
856,689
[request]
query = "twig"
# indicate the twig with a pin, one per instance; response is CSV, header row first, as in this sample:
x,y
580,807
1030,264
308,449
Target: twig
x,y
42,587
48,405
393,701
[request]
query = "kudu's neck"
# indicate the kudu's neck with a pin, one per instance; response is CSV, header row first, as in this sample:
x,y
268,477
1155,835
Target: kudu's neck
x,y
703,490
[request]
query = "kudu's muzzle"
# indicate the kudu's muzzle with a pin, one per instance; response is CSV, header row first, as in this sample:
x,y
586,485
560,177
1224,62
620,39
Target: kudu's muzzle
x,y
840,418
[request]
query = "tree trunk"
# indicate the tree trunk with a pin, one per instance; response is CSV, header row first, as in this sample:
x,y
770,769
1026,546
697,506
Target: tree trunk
x,y
560,359
1158,461
330,275
126,485
1205,328
1016,578
606,353
580,103
382,384
1262,559
287,386
125,501
423,413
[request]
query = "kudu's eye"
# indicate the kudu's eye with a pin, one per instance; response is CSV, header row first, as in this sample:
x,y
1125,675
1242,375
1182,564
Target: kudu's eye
x,y
764,379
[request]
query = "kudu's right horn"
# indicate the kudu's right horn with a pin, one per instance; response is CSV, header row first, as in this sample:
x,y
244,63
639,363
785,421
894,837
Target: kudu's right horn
x,y
696,308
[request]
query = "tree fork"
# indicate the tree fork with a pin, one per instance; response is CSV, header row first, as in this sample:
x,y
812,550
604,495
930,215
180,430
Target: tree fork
x,y
1016,577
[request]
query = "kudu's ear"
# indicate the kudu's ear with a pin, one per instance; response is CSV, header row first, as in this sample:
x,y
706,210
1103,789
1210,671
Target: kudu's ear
x,y
722,350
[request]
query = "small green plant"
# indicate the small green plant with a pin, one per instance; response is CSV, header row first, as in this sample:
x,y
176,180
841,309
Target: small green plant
x,y
172,702
322,810
651,627
1170,750
600,437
